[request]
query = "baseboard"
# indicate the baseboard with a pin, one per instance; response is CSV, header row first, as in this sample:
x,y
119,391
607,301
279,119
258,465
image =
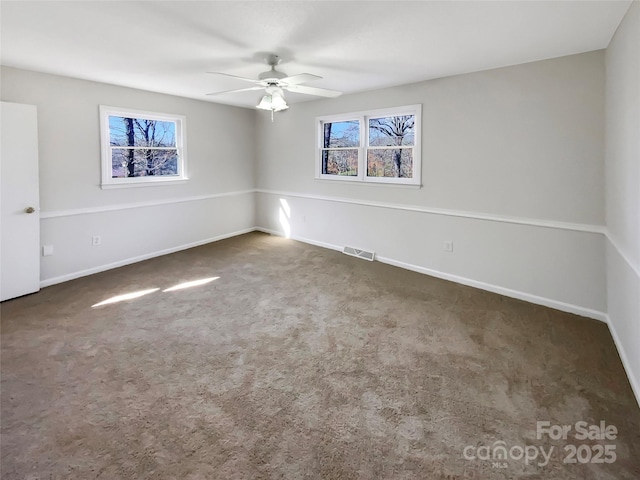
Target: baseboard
x,y
507,292
547,302
300,239
633,381
128,261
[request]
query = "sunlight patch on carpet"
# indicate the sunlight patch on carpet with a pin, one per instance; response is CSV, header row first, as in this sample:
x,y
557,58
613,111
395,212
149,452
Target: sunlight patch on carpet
x,y
125,296
193,283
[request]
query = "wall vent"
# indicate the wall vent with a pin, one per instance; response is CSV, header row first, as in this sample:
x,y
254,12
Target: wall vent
x,y
354,252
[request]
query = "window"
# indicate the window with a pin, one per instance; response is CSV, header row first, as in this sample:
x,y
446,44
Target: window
x,y
340,146
141,148
381,146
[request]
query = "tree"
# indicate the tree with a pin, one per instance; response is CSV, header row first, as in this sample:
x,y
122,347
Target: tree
x,y
395,129
128,125
150,146
326,144
148,130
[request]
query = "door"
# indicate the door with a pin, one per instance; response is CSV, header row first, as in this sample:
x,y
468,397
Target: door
x,y
19,197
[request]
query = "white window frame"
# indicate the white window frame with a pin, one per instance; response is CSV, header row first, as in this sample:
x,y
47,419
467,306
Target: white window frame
x,y
363,119
106,158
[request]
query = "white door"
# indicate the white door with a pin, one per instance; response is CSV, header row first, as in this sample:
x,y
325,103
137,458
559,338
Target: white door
x,y
19,207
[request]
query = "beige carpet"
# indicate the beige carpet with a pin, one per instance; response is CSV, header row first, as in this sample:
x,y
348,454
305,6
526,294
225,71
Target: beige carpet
x,y
301,363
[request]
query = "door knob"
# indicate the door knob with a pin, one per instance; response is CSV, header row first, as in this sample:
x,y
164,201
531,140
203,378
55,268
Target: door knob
x,y
29,210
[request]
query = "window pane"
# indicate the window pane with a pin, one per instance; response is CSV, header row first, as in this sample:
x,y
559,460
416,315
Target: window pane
x,y
390,162
340,162
143,162
390,131
139,132
341,134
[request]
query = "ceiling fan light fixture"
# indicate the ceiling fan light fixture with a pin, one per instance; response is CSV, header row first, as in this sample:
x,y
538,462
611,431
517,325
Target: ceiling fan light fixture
x,y
273,101
278,103
265,103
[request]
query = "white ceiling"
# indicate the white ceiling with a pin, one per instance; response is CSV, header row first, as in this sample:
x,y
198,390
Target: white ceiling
x,y
167,46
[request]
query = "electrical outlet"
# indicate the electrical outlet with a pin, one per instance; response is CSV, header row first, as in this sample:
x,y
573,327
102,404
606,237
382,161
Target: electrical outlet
x,y
47,250
448,246
96,240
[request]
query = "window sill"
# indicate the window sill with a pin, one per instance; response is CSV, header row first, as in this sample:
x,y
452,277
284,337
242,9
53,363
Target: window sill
x,y
155,183
364,183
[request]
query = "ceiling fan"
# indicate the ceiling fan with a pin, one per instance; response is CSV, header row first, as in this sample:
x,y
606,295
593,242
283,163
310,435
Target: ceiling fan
x,y
274,82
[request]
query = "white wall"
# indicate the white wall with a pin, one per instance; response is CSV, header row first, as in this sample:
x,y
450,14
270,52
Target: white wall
x,y
623,190
512,164
139,222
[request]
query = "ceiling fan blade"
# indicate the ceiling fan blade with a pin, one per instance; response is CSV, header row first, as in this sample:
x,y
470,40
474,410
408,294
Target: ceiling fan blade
x,y
319,92
235,76
237,90
298,79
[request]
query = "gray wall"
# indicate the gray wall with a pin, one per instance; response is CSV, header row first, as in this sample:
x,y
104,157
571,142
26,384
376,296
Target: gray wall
x,y
623,190
134,223
512,168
